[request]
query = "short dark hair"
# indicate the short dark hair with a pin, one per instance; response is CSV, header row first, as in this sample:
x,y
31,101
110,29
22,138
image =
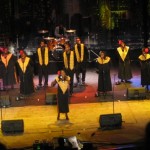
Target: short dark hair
x,y
104,53
68,43
61,141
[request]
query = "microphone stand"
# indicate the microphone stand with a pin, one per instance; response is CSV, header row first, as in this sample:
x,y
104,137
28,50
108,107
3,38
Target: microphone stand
x,y
23,81
6,82
1,106
17,42
104,86
113,94
22,95
89,50
93,53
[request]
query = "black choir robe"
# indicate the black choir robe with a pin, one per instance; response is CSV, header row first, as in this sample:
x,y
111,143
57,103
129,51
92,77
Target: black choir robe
x,y
69,63
62,94
104,79
26,76
8,69
124,71
145,69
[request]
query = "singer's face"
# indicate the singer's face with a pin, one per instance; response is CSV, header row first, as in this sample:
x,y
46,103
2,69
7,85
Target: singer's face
x,y
23,55
122,44
144,53
63,73
42,44
67,47
102,55
78,41
5,50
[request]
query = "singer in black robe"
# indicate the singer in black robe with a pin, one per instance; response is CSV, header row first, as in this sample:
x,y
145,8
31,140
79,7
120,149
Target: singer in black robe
x,y
69,63
63,82
144,59
25,67
43,62
8,68
104,79
81,55
124,71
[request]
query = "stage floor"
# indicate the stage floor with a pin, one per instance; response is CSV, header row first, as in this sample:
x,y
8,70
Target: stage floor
x,y
85,109
82,94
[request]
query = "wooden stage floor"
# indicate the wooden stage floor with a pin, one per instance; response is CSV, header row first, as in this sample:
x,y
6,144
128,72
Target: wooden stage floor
x,y
40,121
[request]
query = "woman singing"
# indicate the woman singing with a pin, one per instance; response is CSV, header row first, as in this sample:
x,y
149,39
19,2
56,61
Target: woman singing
x,y
104,79
145,67
63,82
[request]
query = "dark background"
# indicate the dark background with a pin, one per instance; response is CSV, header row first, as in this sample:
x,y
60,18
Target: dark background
x,y
99,23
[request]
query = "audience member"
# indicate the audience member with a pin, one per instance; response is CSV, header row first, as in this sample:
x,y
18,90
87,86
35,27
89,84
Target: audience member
x,y
61,144
2,147
147,137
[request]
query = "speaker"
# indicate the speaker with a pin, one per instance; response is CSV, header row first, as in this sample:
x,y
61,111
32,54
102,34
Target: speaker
x,y
136,93
12,126
110,121
5,101
51,98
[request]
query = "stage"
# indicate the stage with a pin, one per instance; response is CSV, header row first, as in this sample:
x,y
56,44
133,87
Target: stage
x,y
82,94
40,121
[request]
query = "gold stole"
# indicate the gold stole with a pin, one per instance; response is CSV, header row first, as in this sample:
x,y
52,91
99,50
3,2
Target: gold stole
x,y
46,56
6,60
143,58
124,53
71,64
79,59
24,65
63,84
103,61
